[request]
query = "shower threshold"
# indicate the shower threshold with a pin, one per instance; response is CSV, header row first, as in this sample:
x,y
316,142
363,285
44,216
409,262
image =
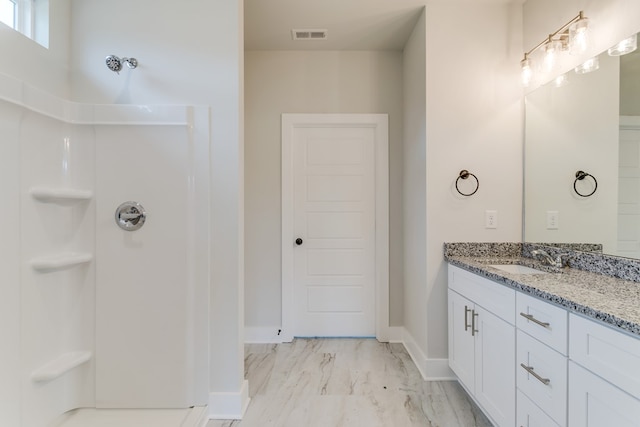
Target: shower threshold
x,y
89,417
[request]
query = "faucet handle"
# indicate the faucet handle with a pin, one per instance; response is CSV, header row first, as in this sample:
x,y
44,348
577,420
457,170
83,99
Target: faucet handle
x,y
562,260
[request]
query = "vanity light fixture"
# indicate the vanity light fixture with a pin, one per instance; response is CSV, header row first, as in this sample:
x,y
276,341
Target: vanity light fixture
x,y
572,36
527,72
561,80
579,34
588,66
627,45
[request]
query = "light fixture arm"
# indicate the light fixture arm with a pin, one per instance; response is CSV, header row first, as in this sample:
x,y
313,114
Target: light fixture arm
x,y
563,32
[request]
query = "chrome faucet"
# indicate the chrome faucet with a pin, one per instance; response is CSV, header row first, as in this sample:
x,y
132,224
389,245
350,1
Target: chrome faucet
x,y
546,259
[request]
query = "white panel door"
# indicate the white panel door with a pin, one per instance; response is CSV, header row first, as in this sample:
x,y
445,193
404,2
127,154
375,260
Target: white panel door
x,y
334,216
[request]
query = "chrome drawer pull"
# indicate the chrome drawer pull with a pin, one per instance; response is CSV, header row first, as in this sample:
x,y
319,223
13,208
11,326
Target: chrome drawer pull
x,y
466,320
534,320
530,370
473,323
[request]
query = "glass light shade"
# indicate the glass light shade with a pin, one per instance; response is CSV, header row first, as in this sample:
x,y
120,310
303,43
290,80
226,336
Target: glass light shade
x,y
551,51
527,72
579,36
588,66
627,45
561,80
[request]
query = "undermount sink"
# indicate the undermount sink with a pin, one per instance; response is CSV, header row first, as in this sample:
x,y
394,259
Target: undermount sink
x,y
517,269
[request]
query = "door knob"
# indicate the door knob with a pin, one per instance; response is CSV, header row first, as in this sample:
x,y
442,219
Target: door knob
x,y
298,241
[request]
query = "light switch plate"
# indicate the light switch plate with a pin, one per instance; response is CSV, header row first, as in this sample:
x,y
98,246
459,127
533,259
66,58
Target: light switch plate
x,y
491,219
552,220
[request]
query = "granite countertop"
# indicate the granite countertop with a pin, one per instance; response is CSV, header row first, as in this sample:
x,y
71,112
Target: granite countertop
x,y
607,299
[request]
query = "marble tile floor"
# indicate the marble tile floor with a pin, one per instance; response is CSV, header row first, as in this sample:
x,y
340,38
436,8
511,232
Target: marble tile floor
x,y
347,382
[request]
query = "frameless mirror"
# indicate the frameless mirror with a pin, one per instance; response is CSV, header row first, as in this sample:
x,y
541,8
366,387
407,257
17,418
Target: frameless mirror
x,y
582,158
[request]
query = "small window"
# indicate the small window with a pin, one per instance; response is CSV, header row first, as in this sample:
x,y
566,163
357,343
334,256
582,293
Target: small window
x,y
30,17
8,12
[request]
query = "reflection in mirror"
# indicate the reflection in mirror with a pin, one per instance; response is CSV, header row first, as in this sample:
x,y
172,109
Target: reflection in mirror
x,y
585,122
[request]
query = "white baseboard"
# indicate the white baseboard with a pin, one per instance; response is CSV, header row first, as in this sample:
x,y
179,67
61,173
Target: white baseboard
x,y
229,406
262,335
418,357
430,369
439,370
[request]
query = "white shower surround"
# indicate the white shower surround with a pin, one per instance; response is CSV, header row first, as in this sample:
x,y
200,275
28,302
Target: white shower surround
x,y
55,265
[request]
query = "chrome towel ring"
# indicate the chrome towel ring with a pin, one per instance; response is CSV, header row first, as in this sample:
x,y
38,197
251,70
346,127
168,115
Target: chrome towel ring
x,y
580,175
465,174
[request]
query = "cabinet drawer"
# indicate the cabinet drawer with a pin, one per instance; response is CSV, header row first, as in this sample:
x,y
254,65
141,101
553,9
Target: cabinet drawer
x,y
543,321
596,403
549,389
529,415
496,298
610,354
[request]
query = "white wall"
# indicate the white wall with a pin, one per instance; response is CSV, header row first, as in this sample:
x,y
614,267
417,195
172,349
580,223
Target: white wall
x,y
310,82
571,128
474,122
28,61
415,191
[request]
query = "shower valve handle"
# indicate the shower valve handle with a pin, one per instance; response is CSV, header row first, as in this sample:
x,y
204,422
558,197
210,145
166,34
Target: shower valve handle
x,y
130,216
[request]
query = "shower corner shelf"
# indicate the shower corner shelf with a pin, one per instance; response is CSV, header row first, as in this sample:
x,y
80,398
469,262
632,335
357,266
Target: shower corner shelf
x,y
58,367
60,261
60,195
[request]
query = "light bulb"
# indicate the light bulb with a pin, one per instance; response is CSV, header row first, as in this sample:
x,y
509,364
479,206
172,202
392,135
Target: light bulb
x,y
579,35
561,80
627,45
551,50
588,66
527,72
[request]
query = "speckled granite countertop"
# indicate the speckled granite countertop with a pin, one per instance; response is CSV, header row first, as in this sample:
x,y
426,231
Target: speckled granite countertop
x,y
610,300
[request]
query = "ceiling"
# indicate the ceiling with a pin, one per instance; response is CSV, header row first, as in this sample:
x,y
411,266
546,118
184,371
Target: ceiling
x,y
351,24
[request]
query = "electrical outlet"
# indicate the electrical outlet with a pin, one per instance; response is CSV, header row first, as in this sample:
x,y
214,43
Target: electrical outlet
x,y
490,219
552,220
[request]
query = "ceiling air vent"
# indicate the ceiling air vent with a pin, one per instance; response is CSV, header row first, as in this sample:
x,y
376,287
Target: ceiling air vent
x,y
309,34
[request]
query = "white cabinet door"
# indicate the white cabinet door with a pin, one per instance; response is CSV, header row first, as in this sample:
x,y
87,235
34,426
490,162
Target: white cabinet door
x,y
529,415
593,402
495,357
461,351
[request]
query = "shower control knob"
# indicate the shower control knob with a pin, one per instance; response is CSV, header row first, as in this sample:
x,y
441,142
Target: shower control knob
x,y
130,216
298,241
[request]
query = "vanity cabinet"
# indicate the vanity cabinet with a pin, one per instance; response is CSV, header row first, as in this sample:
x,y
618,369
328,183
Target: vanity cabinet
x,y
529,363
604,376
482,342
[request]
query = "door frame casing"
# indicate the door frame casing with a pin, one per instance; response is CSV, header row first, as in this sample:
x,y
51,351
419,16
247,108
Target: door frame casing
x,y
380,124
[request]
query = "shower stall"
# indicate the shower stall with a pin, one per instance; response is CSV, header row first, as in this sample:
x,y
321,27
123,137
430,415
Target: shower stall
x,y
93,315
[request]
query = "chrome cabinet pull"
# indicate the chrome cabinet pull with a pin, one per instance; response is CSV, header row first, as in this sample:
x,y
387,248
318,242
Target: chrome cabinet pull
x,y
530,370
473,323
534,320
466,319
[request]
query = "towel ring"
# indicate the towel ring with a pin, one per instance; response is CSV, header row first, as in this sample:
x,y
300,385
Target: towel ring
x,y
580,175
465,174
